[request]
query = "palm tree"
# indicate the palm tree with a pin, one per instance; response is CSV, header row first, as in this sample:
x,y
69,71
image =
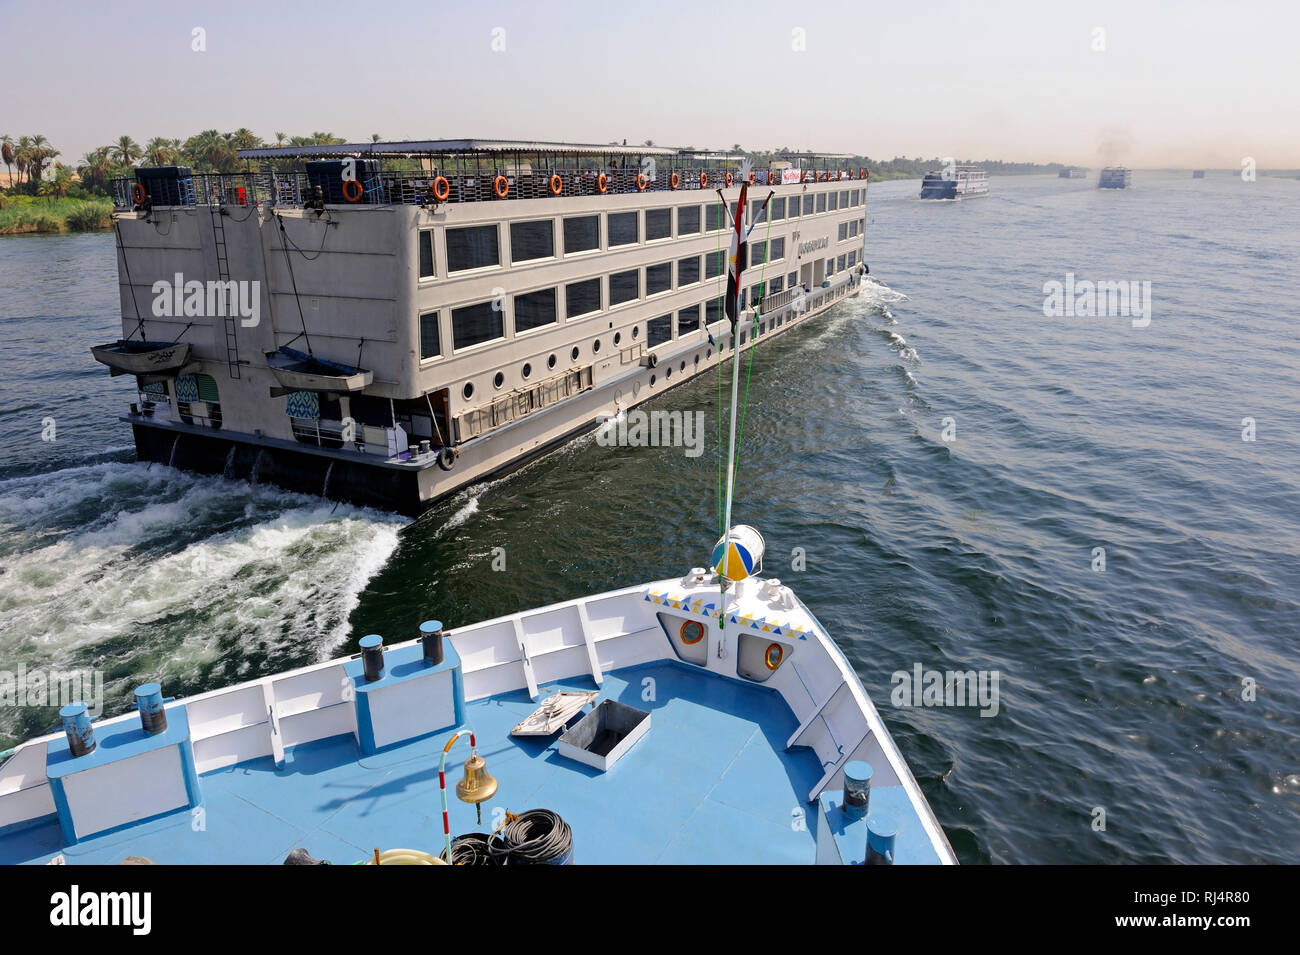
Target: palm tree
x,y
22,156
126,150
41,150
159,152
375,137
7,154
246,139
280,138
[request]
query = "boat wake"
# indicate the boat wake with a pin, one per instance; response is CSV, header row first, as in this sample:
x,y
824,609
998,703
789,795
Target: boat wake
x,y
133,570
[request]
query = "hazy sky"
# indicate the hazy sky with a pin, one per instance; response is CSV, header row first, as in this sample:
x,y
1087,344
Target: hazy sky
x,y
1177,84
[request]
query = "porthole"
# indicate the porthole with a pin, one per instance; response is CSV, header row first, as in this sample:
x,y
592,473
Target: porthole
x,y
550,362
595,346
652,381
708,353
697,358
574,354
527,370
469,389
668,372
636,330
692,632
618,337
498,380
682,367
772,656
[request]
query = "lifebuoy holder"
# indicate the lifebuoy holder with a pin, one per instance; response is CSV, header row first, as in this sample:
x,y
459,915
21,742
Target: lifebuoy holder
x,y
674,181
556,184
441,188
351,190
727,179
602,182
139,195
641,182
501,186
704,180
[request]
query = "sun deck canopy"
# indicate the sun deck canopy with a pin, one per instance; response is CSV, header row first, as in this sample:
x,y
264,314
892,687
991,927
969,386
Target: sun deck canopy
x,y
448,147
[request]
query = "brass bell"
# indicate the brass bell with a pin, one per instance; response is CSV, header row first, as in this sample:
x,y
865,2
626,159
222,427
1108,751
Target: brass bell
x,y
477,785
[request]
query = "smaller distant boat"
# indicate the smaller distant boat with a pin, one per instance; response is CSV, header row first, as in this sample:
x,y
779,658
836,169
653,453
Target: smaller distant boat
x,y
142,358
1115,177
1198,173
298,371
963,182
1073,172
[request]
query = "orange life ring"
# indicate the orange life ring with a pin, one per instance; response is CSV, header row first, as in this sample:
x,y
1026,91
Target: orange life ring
x,y
351,190
704,180
556,184
803,175
640,182
862,174
839,174
441,189
695,628
602,183
727,179
138,194
500,186
751,177
674,181
770,663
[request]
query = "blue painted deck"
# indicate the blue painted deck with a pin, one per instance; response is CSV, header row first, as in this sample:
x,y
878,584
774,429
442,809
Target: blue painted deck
x,y
709,783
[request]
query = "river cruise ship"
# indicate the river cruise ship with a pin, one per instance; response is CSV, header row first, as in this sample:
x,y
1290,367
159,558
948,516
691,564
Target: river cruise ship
x,y
1115,177
962,182
385,323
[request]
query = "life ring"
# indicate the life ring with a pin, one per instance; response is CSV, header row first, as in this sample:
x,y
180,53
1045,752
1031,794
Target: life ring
x,y
556,184
641,182
500,186
674,181
768,660
602,183
803,175
441,189
351,190
138,194
446,459
727,179
696,631
751,177
704,180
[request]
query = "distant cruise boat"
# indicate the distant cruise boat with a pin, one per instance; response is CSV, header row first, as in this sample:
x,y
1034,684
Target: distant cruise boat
x,y
961,183
1073,172
1115,177
1198,173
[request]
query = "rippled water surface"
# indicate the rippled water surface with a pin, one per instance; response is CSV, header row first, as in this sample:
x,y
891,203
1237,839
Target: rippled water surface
x,y
1121,690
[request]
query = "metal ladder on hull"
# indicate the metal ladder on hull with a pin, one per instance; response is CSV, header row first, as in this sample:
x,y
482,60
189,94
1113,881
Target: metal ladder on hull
x,y
223,272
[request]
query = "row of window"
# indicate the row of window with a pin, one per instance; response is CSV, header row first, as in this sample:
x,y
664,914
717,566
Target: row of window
x,y
478,247
484,321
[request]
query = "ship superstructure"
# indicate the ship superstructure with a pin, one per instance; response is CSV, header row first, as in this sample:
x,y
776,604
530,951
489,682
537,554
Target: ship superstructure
x,y
1115,177
959,182
386,323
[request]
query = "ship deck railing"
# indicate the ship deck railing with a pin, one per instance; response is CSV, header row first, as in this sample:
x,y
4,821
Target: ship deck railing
x,y
419,187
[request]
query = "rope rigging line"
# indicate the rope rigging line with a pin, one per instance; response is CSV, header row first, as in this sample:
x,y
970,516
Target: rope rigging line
x,y
139,322
289,261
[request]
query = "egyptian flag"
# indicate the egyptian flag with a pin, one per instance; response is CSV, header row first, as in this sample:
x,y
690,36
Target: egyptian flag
x,y
736,263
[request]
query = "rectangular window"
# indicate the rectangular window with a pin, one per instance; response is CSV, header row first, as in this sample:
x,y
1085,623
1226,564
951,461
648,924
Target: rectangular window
x,y
757,212
714,262
658,224
713,310
791,279
688,220
853,259
472,247
658,330
426,253
830,266
775,285
821,202
844,199
581,298
832,201
844,231
757,253
658,278
624,228
532,240
808,204
688,320
839,266
624,286
853,199
778,249
688,271
534,309
430,344
474,324
793,211
716,217
778,209
581,234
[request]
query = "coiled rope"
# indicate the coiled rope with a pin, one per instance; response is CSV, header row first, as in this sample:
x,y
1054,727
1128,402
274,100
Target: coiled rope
x,y
535,837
